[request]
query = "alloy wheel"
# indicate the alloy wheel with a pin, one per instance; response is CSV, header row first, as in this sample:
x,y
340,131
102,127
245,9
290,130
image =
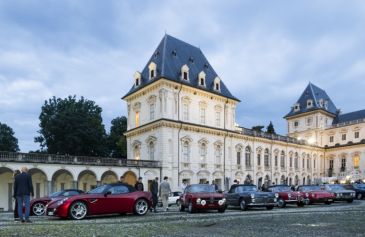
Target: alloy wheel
x,y
78,210
38,209
141,207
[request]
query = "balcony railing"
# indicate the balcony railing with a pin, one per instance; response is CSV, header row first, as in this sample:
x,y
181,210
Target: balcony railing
x,y
75,160
357,121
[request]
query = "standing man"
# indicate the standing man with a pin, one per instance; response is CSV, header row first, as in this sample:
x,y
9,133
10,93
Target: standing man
x,y
139,185
16,216
154,191
23,189
165,191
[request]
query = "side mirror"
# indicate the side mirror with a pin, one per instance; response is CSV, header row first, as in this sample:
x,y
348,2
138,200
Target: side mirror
x,y
107,193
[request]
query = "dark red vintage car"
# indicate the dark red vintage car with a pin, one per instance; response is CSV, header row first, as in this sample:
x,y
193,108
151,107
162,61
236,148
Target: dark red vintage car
x,y
316,194
37,205
288,196
106,199
202,197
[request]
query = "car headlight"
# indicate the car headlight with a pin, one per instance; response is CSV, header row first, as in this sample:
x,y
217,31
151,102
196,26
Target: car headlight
x,y
60,202
221,202
203,202
276,195
353,194
289,195
198,200
252,195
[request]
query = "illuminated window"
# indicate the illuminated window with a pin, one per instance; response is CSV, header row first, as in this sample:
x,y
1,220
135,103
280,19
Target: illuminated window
x,y
137,119
356,161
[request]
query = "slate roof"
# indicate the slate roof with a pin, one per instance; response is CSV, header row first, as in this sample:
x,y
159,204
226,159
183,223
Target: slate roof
x,y
341,118
170,55
316,94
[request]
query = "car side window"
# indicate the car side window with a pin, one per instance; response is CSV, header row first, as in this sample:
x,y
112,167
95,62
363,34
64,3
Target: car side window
x,y
119,189
70,193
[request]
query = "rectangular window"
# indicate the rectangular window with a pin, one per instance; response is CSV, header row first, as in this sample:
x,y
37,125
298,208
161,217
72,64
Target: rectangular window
x,y
343,164
331,164
296,123
357,134
238,157
331,138
309,121
217,119
152,111
343,137
202,115
137,119
186,112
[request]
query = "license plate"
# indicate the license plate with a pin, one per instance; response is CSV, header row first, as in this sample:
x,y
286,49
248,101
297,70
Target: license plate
x,y
330,200
50,213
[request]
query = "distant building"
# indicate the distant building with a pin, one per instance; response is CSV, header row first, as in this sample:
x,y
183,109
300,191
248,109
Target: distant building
x,y
182,114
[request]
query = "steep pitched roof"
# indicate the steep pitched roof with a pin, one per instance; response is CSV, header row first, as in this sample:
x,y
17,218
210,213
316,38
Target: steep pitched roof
x,y
341,118
170,55
320,99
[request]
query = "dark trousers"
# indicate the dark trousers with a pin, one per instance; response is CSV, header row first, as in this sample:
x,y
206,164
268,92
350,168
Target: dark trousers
x,y
24,199
155,200
16,215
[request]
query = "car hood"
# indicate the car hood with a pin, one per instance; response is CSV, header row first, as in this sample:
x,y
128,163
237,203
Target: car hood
x,y
207,195
343,191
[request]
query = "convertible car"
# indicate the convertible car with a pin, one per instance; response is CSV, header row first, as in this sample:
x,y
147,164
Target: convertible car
x,y
341,194
247,196
174,199
37,205
288,196
316,194
202,197
105,199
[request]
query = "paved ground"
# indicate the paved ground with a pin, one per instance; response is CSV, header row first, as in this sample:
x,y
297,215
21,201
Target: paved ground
x,y
339,219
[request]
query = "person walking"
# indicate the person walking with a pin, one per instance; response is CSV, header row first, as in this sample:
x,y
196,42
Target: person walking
x,y
154,191
23,189
16,216
165,191
139,185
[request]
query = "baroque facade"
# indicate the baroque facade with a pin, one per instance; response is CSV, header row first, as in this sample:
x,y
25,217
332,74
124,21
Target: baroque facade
x,y
182,114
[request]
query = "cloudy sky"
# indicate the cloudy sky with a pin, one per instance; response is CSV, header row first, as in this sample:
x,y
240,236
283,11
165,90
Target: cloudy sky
x,y
266,52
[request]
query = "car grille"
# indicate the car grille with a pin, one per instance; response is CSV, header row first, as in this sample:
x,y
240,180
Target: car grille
x,y
211,200
264,200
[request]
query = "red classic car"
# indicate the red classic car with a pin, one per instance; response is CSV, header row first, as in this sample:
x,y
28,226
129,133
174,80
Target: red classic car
x,y
105,199
288,196
202,197
316,194
37,205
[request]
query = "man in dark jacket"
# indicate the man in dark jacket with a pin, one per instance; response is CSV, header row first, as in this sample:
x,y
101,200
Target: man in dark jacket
x,y
139,185
23,189
154,191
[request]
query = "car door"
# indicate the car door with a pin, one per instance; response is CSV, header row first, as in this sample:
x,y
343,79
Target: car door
x,y
232,196
120,199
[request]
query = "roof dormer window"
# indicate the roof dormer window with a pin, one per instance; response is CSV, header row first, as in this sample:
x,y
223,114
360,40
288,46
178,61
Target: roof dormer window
x,y
137,79
217,84
296,107
152,69
202,78
309,103
185,72
321,103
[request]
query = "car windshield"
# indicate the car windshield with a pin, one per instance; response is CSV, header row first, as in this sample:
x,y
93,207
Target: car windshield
x,y
99,189
246,189
310,188
362,186
56,194
335,187
281,189
202,189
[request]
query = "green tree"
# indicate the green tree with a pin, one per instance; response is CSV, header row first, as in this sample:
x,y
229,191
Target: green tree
x,y
258,128
270,128
117,141
71,126
7,140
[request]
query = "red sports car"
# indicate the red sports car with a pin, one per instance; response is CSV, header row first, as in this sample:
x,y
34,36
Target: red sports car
x,y
316,194
202,197
105,199
288,196
37,205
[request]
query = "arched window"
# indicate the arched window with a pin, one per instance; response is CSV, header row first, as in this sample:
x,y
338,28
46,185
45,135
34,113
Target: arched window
x,y
248,157
218,115
152,70
152,104
137,151
185,72
291,160
186,108
186,151
217,84
296,164
259,158
203,152
356,161
202,79
137,79
151,150
308,162
218,154
276,159
282,159
266,158
202,106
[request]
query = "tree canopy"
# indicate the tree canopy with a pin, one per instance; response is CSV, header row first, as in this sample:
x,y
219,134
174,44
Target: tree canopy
x,y
117,142
270,128
8,142
71,126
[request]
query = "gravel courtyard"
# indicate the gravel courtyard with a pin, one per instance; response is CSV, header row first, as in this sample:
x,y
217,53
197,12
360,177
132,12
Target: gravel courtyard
x,y
339,219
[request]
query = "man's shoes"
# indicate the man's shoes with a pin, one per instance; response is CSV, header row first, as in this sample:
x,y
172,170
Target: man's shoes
x,y
28,221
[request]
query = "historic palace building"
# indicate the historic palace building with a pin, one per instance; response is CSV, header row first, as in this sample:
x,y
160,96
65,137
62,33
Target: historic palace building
x,y
182,114
182,124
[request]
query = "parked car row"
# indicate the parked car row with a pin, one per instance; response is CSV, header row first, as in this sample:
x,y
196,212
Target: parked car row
x,y
121,198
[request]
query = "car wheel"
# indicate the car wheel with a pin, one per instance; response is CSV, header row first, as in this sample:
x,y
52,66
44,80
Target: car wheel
x,y
281,203
141,207
178,203
328,202
300,204
181,206
269,207
222,210
78,210
243,205
38,209
359,196
191,208
350,201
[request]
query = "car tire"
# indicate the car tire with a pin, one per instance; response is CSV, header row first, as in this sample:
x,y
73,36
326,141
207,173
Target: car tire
x,y
328,202
269,207
222,210
243,205
38,209
141,207
281,203
359,196
178,203
181,206
191,208
350,201
78,210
